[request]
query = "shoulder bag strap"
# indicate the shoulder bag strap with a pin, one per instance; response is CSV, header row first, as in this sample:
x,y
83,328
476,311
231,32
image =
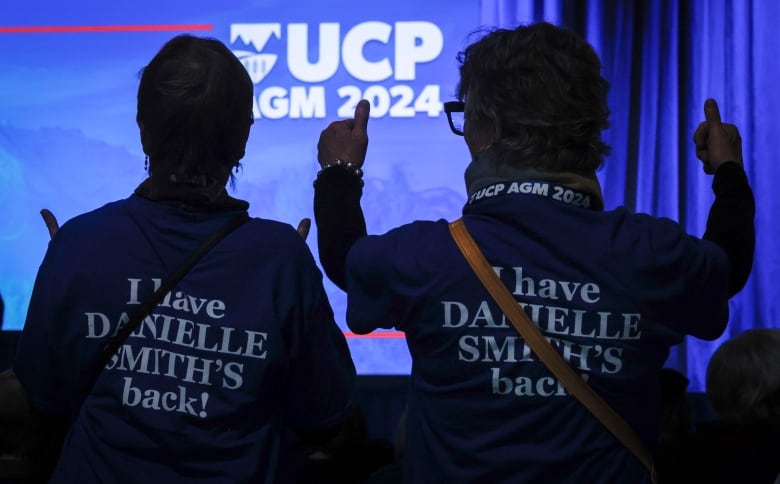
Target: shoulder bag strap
x,y
113,343
575,385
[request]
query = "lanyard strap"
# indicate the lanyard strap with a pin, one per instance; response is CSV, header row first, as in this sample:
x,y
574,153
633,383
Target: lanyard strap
x,y
575,385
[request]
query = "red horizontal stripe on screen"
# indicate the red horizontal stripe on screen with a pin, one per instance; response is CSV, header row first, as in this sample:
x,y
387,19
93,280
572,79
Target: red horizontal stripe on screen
x,y
378,335
56,29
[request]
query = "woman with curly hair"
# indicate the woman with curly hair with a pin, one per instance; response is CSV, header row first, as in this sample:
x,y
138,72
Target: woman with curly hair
x,y
611,290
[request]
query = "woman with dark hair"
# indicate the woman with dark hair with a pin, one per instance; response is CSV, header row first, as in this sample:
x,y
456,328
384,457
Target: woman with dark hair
x,y
240,357
194,115
611,290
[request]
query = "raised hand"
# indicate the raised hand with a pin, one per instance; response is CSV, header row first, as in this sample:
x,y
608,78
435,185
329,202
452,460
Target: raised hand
x,y
346,140
716,142
51,222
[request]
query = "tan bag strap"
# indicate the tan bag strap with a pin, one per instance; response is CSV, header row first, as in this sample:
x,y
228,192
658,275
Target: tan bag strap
x,y
545,351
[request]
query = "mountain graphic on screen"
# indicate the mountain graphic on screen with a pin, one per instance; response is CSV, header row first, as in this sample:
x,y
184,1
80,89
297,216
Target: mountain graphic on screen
x,y
257,63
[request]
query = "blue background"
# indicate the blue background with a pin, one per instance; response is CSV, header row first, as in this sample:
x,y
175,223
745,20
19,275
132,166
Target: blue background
x,y
68,139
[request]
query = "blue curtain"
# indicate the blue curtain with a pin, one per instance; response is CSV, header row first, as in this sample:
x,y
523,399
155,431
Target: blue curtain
x,y
663,60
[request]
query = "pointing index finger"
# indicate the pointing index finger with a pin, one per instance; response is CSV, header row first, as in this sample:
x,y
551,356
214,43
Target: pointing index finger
x,y
712,113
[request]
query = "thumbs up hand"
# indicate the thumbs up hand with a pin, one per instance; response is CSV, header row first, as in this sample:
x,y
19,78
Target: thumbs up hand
x,y
346,140
51,222
716,142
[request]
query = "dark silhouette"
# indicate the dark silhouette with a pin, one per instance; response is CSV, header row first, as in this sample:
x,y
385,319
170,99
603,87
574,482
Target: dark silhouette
x,y
612,290
241,368
743,444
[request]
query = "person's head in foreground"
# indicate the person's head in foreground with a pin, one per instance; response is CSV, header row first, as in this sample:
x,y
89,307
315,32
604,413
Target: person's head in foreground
x,y
743,377
194,111
535,98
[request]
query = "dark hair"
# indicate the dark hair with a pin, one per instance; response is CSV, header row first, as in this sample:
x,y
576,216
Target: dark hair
x,y
195,108
541,85
743,377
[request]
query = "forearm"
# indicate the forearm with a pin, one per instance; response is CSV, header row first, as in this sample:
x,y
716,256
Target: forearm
x,y
339,220
730,222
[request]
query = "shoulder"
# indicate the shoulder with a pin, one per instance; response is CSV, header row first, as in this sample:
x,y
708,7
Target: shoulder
x,y
419,228
275,227
645,235
273,233
88,220
636,224
420,236
272,243
411,251
96,228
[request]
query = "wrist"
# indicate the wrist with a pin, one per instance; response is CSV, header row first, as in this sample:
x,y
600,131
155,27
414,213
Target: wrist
x,y
340,169
342,165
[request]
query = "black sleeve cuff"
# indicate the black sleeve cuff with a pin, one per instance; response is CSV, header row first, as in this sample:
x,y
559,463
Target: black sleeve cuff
x,y
730,222
729,177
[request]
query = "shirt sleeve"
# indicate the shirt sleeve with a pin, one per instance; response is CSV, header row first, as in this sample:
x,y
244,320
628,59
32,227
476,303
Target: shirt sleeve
x,y
389,276
38,364
676,279
339,219
372,276
730,223
322,389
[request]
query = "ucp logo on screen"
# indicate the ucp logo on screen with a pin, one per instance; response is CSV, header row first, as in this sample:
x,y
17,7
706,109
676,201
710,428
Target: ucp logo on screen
x,y
414,43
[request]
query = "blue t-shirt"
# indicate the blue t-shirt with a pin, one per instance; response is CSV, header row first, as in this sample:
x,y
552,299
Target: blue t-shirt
x,y
611,290
208,387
